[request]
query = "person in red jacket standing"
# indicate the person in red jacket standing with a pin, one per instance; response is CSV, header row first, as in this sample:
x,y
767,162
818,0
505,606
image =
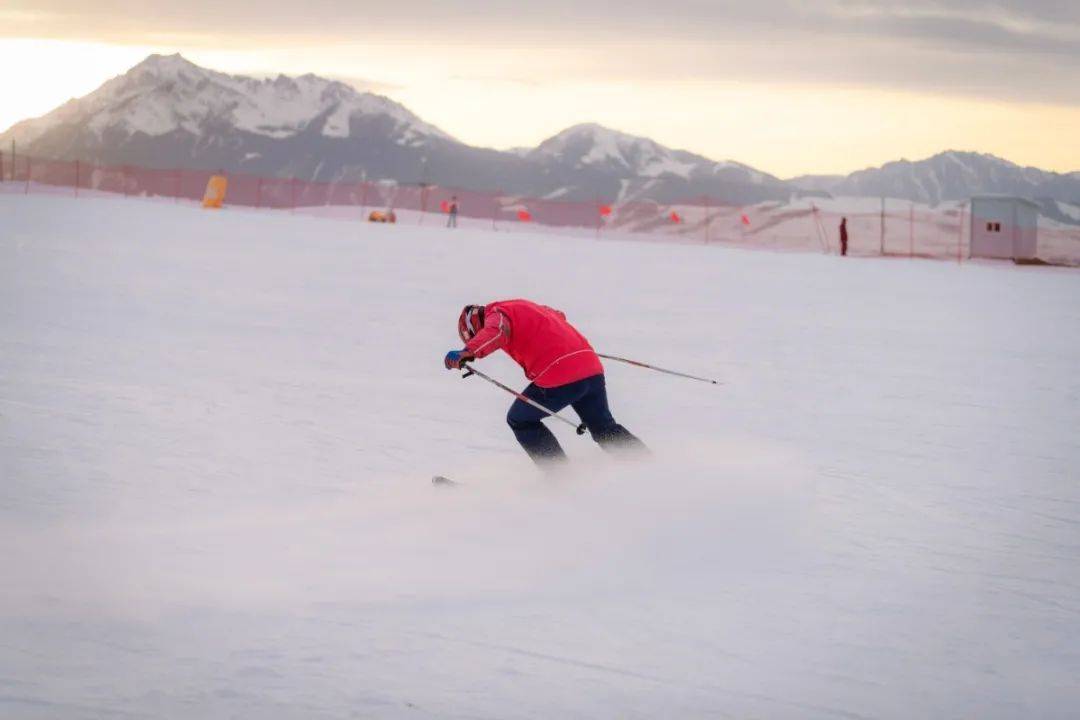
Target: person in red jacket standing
x,y
557,359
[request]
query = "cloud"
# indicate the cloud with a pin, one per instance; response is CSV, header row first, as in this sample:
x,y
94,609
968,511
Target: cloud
x,y
989,28
1028,51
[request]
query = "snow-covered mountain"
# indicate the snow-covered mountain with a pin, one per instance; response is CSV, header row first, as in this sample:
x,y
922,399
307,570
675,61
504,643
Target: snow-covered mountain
x,y
594,146
167,94
169,112
628,166
950,175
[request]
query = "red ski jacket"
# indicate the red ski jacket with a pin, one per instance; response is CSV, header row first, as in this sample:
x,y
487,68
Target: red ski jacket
x,y
550,350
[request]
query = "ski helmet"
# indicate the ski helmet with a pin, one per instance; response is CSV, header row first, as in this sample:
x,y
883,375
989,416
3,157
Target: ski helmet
x,y
470,322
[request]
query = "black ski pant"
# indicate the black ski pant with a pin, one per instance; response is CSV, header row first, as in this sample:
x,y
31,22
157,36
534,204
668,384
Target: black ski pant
x,y
588,397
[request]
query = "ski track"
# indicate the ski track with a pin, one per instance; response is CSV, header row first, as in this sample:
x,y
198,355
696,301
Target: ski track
x,y
217,433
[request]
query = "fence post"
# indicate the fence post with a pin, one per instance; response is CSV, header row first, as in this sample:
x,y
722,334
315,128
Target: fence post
x,y
26,190
960,235
883,225
911,231
292,194
820,228
258,192
176,186
599,217
76,178
363,198
705,203
124,178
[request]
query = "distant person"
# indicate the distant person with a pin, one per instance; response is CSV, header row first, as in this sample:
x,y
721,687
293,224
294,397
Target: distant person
x,y
451,220
843,236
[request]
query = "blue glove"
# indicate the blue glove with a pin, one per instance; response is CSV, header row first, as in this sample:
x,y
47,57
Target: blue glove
x,y
455,359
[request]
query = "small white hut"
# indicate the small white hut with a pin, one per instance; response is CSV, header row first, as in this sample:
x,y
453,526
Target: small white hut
x,y
1004,227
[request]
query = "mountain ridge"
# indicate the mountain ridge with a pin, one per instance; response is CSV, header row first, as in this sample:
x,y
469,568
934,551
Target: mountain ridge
x,y
168,112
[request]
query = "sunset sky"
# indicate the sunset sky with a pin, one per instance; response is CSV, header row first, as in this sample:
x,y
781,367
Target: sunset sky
x,y
790,88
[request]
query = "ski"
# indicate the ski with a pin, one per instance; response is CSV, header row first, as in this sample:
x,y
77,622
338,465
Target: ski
x,y
442,480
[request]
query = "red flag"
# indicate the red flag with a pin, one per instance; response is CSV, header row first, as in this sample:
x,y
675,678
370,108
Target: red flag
x,y
605,209
444,206
745,220
524,216
675,217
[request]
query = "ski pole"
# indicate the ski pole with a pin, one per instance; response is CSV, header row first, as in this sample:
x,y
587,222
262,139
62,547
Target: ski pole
x,y
659,369
470,370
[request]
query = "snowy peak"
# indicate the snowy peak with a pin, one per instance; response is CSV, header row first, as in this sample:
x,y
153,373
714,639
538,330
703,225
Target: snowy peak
x,y
956,175
166,93
620,154
614,152
170,66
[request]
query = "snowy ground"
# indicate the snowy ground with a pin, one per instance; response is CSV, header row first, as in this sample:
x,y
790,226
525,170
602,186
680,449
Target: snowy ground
x,y
217,431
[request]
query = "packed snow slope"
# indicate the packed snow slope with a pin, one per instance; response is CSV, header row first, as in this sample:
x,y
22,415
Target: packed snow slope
x,y
217,432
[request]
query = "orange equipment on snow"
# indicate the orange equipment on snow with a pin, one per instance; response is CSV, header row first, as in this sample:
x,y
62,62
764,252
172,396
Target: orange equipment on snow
x,y
214,196
382,216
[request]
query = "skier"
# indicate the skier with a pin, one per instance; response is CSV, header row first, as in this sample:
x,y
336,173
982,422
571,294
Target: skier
x,y
557,359
843,236
451,220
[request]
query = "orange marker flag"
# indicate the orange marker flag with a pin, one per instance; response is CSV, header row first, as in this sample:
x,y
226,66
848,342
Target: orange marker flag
x,y
605,209
524,216
745,220
444,206
675,217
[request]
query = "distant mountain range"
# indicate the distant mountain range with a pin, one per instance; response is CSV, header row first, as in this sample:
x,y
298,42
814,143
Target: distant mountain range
x,y
949,175
169,112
